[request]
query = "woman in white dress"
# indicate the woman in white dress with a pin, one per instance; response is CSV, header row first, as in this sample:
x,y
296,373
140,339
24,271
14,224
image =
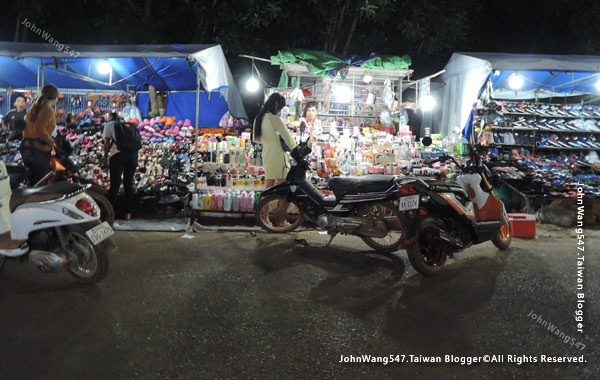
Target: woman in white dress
x,y
268,128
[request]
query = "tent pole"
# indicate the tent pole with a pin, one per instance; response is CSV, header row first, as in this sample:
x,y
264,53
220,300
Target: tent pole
x,y
197,127
43,76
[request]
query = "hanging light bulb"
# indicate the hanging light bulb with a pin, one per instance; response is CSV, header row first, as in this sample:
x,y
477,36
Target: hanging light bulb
x,y
104,67
367,78
252,84
598,85
342,94
427,103
515,82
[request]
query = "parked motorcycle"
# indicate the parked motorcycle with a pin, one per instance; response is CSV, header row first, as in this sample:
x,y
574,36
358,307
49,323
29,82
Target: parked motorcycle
x,y
59,226
64,169
447,217
364,206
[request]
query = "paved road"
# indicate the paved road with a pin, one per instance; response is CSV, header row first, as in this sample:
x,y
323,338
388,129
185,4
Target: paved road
x,y
235,305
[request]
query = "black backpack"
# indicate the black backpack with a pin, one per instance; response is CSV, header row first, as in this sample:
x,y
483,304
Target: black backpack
x,y
127,137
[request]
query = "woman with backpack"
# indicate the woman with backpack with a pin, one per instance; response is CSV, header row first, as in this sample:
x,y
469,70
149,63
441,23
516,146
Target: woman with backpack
x,y
121,144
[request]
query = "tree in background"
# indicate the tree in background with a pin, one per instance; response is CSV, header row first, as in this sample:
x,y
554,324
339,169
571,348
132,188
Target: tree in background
x,y
427,30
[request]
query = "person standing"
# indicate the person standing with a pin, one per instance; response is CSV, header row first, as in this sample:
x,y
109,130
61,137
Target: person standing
x,y
269,130
309,116
121,144
10,121
38,142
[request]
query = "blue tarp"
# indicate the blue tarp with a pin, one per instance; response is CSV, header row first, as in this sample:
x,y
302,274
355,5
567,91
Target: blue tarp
x,y
142,102
166,67
183,106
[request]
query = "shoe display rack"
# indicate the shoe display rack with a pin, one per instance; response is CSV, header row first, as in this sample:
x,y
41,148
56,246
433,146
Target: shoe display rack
x,y
542,149
543,127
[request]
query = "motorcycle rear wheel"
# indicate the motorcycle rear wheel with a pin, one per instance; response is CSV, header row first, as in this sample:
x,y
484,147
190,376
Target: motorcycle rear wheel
x,y
93,265
107,212
395,221
427,258
276,214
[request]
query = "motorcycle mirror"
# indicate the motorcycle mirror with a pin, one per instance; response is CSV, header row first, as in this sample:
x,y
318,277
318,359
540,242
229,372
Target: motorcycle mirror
x,y
427,141
302,126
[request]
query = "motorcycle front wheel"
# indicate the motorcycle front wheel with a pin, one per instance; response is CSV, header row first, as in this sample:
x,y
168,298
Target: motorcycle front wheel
x,y
393,219
93,260
276,214
504,237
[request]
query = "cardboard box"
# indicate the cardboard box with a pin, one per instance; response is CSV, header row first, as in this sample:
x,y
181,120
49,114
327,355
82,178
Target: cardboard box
x,y
523,225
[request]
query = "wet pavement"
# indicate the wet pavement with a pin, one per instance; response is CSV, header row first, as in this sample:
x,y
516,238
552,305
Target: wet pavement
x,y
227,305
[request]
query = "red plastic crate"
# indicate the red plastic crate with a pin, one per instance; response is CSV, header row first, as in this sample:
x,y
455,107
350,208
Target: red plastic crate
x,y
523,225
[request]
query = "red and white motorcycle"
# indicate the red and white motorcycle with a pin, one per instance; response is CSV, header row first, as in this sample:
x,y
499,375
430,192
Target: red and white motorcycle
x,y
447,217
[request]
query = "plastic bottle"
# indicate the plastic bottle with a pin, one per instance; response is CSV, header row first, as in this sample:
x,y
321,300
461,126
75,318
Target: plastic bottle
x,y
194,203
250,202
208,201
236,202
220,199
227,201
200,203
256,199
243,200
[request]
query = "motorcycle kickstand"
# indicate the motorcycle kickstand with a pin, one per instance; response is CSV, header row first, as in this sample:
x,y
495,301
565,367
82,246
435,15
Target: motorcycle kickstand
x,y
333,235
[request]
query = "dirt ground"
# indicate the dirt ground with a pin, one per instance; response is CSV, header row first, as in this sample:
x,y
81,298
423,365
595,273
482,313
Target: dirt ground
x,y
246,305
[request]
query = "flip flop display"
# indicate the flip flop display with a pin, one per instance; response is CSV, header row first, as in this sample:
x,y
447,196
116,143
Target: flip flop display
x,y
166,161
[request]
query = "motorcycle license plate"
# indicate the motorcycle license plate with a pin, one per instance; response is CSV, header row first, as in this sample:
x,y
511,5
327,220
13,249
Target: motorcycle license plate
x,y
409,203
100,233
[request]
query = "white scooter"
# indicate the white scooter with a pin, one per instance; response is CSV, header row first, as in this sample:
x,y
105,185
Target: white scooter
x,y
59,228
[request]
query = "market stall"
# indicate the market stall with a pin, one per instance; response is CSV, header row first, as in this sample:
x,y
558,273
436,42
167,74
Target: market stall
x,y
361,126
538,114
194,80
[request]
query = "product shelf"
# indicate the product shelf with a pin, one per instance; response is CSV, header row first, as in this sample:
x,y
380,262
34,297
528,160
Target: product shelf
x,y
564,148
515,129
548,116
569,131
231,188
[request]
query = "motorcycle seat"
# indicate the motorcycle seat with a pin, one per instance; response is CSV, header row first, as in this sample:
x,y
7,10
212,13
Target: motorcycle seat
x,y
17,173
442,183
363,184
54,191
317,195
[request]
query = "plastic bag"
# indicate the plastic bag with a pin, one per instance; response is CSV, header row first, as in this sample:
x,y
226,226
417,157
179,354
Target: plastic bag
x,y
556,215
132,112
385,117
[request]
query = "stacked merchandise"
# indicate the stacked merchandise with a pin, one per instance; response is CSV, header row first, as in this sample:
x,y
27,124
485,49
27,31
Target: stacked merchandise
x,y
232,165
545,177
543,150
362,150
230,173
541,127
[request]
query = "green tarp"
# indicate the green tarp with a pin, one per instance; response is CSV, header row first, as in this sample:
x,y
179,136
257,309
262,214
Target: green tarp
x,y
325,64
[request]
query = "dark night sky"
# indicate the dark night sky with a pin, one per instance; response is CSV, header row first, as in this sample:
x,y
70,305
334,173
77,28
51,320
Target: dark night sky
x,y
262,27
